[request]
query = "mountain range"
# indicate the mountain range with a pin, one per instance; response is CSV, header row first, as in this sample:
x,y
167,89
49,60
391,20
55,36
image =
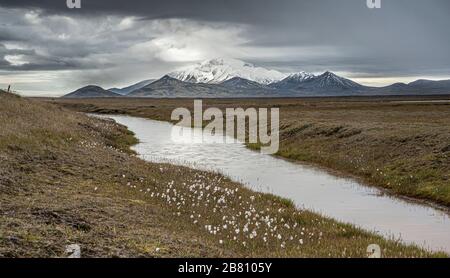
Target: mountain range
x,y
129,89
226,78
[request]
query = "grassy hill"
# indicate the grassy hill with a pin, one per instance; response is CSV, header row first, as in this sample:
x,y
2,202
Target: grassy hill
x,y
66,178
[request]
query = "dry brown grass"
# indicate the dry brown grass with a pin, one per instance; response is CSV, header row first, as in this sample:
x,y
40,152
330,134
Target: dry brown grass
x,y
67,178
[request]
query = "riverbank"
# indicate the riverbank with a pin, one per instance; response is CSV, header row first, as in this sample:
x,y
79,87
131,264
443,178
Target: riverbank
x,y
397,143
67,178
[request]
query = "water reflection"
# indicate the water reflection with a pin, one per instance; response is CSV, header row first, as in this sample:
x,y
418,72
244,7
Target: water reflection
x,y
340,198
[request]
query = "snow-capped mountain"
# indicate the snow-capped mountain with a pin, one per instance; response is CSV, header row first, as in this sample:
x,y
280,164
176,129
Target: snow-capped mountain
x,y
171,88
230,78
293,80
216,71
330,81
299,76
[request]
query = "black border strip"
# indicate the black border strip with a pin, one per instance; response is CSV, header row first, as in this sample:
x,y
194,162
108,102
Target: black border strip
x,y
146,267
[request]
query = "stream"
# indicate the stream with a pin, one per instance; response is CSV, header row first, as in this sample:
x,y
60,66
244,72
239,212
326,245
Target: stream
x,y
343,199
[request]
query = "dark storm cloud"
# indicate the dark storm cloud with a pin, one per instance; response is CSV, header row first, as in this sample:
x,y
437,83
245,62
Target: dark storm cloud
x,y
403,38
221,10
402,31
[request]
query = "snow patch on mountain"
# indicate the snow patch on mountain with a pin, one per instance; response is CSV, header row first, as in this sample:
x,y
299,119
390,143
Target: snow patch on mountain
x,y
218,70
299,77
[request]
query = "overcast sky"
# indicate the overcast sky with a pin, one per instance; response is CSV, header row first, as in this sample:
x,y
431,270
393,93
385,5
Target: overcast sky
x,y
48,49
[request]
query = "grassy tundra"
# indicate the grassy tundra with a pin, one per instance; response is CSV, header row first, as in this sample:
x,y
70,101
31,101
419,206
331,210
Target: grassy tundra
x,y
398,143
66,178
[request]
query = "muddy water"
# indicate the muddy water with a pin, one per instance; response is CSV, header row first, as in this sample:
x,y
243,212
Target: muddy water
x,y
340,198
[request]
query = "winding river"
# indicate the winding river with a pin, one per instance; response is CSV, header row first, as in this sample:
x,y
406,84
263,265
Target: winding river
x,y
343,199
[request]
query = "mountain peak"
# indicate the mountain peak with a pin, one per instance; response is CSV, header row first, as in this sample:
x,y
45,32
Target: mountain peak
x,y
166,77
299,76
241,83
91,91
329,73
91,87
329,80
218,70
